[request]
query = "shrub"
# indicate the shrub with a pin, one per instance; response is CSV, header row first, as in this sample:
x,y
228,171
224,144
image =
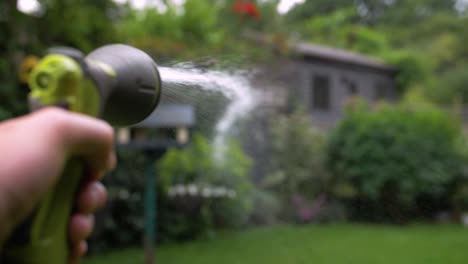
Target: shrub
x,y
297,169
197,166
266,208
451,86
395,156
412,68
120,223
459,197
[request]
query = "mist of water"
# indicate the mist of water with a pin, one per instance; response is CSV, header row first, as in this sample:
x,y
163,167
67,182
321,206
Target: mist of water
x,y
181,80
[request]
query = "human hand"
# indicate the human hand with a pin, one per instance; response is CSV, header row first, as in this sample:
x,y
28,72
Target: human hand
x,y
34,150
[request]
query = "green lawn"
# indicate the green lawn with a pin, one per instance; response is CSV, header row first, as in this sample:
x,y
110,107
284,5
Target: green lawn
x,y
333,244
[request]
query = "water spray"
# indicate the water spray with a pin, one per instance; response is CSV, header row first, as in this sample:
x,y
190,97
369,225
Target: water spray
x,y
233,87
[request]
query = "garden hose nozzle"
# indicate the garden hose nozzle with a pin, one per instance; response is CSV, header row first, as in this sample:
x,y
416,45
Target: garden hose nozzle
x,y
117,83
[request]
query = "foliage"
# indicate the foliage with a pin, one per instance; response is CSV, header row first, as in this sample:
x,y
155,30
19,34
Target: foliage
x,y
22,34
171,34
430,53
341,29
317,8
413,68
375,12
435,40
397,154
12,96
459,189
197,165
321,29
297,160
266,208
455,86
92,23
120,223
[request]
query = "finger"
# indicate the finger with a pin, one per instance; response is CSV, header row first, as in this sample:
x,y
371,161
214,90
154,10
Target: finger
x,y
92,196
80,227
81,135
50,136
78,250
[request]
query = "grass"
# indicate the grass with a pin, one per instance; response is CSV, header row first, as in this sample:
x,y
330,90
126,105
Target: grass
x,y
331,244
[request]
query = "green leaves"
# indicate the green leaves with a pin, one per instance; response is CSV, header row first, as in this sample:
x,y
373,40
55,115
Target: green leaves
x,y
409,147
179,32
196,165
296,166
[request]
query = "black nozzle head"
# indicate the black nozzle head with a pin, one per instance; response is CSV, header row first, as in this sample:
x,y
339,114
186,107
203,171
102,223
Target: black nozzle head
x,y
129,83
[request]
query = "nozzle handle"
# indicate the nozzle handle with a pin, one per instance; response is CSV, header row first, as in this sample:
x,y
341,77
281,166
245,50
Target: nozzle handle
x,y
118,83
43,237
59,79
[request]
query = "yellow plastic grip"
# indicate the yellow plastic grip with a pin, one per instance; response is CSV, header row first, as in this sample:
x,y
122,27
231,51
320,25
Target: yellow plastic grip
x,y
43,238
48,234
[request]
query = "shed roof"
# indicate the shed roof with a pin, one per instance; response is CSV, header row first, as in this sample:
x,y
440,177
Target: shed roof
x,y
169,116
314,51
324,53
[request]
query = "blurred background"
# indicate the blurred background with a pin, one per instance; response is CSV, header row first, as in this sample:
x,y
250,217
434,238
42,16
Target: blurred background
x,y
292,131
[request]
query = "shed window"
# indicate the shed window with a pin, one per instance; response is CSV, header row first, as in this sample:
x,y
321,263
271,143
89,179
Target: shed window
x,y
351,86
321,92
352,89
381,91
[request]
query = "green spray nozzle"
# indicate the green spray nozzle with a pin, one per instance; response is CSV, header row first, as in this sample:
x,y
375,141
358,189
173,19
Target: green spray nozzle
x,y
117,83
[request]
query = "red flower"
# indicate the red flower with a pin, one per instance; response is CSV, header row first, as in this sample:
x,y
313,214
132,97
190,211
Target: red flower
x,y
246,8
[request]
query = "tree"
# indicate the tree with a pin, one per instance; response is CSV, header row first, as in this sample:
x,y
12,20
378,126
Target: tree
x,y
374,12
310,9
92,23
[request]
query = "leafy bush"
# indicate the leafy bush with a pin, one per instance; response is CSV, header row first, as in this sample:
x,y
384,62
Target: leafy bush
x,y
451,86
459,198
266,208
196,165
121,222
297,167
413,68
395,156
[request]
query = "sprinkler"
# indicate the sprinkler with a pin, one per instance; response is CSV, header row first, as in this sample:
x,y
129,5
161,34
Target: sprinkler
x,y
117,83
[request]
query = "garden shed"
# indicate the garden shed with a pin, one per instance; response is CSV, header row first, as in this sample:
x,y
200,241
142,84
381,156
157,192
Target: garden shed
x,y
326,78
